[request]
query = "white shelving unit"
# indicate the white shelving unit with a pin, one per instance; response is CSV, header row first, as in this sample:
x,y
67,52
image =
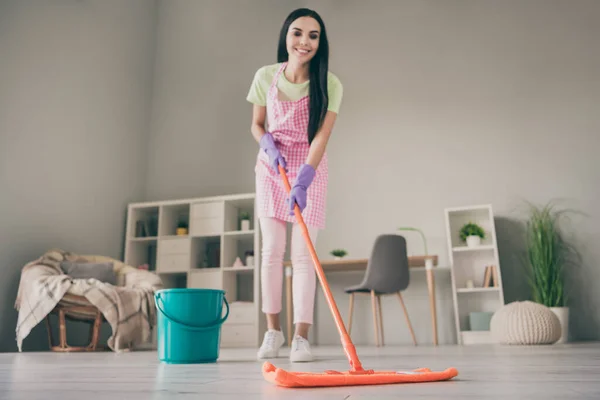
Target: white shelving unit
x,y
468,264
204,256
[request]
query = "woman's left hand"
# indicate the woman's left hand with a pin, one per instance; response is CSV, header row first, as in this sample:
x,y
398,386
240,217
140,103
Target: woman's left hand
x,y
305,177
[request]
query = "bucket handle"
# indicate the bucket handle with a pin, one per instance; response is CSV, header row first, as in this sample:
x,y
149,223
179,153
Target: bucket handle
x,y
192,327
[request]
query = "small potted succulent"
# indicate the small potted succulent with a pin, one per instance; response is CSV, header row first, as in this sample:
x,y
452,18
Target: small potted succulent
x,y
245,220
182,228
472,234
338,253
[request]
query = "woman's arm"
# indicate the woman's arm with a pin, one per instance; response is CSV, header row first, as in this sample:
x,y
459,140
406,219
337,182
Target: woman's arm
x,y
319,143
258,122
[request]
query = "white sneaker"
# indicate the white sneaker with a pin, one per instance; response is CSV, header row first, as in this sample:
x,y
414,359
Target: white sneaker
x,y
272,342
300,351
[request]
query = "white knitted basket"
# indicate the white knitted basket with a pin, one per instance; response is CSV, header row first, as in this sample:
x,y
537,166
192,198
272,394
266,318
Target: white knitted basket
x,y
525,323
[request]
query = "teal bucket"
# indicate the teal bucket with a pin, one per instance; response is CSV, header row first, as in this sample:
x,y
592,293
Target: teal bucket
x,y
189,324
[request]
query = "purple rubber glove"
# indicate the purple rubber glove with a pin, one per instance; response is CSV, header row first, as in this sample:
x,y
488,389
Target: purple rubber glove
x,y
267,143
306,174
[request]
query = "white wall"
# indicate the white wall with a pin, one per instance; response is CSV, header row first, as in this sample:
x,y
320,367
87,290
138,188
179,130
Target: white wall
x,y
452,103
75,80
206,55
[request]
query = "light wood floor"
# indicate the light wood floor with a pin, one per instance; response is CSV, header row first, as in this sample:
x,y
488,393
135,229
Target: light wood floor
x,y
485,372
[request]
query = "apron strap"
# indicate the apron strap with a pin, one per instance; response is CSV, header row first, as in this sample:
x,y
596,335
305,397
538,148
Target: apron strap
x,y
276,77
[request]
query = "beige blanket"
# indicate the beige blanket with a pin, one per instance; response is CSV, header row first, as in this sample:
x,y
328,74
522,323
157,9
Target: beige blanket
x,y
127,307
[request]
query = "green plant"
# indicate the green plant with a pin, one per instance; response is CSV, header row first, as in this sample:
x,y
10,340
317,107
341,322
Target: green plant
x,y
471,229
338,252
408,228
244,215
182,224
546,256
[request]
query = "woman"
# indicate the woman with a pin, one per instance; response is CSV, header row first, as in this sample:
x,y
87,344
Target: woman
x,y
299,99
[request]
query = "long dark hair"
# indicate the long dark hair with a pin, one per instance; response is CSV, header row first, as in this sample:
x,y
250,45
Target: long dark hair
x,y
318,69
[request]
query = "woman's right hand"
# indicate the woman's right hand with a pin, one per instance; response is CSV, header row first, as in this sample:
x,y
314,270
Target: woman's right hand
x,y
267,143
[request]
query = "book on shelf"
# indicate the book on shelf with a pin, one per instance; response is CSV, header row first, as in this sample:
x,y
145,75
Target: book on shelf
x,y
490,277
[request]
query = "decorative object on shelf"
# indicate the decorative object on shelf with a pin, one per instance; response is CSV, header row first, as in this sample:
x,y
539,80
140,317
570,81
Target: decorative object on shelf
x,y
472,234
480,320
140,229
238,262
338,254
212,255
244,220
249,258
547,255
490,276
182,228
470,284
147,227
525,323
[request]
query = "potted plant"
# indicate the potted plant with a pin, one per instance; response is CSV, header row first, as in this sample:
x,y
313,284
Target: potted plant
x,y
182,228
245,220
472,234
547,253
338,253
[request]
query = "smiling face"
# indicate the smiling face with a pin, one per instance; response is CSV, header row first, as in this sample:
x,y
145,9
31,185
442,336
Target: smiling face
x,y
302,39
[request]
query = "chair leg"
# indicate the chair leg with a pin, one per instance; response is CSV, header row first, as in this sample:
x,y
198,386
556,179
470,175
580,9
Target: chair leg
x,y
350,311
49,329
62,346
375,325
380,319
62,329
412,333
95,332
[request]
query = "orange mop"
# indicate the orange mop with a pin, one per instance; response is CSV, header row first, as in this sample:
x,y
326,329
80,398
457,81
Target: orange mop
x,y
357,375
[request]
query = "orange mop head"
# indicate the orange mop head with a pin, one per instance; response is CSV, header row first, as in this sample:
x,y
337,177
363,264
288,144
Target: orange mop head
x,y
356,375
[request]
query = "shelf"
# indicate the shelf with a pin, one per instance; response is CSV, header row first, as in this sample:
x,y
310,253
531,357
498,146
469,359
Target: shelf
x,y
476,337
170,218
233,211
219,229
143,239
206,252
239,233
143,223
478,248
142,251
480,215
478,290
468,266
239,269
235,246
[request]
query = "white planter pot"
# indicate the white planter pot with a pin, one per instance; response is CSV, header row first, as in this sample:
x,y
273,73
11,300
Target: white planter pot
x,y
473,241
245,225
337,258
563,316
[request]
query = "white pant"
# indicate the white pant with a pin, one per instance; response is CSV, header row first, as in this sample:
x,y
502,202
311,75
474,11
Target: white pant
x,y
304,276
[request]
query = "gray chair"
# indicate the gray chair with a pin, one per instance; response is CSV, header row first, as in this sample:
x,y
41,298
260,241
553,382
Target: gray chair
x,y
386,274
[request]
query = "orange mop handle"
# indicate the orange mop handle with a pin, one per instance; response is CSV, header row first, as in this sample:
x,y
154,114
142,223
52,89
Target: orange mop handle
x,y
349,348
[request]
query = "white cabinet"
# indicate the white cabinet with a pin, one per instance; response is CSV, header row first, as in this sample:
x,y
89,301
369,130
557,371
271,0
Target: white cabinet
x,y
194,243
476,274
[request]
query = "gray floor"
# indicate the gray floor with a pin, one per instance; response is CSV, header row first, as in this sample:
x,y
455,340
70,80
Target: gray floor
x,y
485,372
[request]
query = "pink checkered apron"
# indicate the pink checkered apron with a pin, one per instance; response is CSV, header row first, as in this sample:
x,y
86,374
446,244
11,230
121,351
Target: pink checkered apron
x,y
288,123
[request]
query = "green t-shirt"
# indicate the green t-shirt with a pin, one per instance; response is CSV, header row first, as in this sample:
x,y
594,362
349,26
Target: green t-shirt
x,y
291,91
